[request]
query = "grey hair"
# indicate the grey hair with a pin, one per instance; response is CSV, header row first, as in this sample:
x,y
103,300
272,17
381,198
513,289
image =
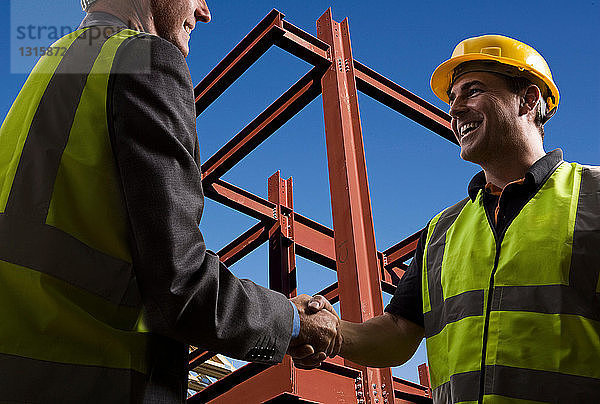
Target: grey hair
x,y
85,4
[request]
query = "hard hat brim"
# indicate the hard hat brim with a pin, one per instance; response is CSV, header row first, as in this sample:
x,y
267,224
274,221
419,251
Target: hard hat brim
x,y
442,76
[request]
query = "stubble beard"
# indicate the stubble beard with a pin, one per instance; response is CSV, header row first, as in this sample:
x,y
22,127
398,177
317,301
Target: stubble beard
x,y
497,145
167,22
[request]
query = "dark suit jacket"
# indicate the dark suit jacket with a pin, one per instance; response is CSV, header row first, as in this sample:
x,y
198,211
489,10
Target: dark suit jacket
x,y
189,297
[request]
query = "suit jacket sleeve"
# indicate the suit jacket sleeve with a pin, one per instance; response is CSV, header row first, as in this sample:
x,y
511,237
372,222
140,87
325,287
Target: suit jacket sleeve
x,y
187,293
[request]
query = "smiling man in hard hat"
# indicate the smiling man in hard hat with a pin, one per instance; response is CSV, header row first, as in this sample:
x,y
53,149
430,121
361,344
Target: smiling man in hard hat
x,y
504,284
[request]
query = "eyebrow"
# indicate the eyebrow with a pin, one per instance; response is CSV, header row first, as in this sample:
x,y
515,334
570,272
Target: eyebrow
x,y
465,87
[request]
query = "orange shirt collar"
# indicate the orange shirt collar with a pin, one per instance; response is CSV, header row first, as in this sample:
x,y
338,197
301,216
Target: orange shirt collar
x,y
497,191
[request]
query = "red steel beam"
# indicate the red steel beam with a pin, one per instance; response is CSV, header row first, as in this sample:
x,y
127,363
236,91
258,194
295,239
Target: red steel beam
x,y
406,390
402,251
388,287
330,383
313,240
391,276
245,53
241,200
253,382
290,398
393,259
244,244
313,384
263,126
256,383
282,255
331,293
424,375
354,236
401,100
356,253
303,45
274,30
198,357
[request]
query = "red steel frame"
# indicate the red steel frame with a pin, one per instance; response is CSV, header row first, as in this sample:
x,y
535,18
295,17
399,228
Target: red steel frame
x,y
363,272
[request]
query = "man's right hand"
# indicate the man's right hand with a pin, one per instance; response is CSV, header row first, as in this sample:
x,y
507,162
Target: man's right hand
x,y
319,332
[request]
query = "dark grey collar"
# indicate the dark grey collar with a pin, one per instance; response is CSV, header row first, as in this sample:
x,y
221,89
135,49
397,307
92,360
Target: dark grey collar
x,y
98,18
536,175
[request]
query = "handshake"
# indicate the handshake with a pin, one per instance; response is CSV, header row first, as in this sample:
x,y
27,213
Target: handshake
x,y
382,341
320,334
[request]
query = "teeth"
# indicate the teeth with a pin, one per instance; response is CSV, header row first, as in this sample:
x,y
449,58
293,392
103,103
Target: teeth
x,y
188,29
471,125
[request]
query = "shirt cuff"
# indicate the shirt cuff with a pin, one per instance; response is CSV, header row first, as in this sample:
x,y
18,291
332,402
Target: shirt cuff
x,y
296,322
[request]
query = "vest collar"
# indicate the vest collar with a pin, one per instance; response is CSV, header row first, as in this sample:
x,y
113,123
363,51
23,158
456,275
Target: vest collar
x,y
98,18
535,176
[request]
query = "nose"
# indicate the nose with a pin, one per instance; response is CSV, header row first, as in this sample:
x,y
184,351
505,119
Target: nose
x,y
457,108
202,12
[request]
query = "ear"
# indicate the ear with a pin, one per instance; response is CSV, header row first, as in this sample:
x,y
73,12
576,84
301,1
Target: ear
x,y
529,100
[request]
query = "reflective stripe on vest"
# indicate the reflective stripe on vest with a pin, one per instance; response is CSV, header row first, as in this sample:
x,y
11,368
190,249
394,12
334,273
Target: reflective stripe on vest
x,y
539,328
69,303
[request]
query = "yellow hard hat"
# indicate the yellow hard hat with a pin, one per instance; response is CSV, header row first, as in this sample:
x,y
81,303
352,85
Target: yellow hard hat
x,y
525,61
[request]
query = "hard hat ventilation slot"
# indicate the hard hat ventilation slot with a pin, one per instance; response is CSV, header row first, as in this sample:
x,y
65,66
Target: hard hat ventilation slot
x,y
492,51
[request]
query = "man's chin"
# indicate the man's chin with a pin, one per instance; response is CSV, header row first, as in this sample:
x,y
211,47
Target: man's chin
x,y
181,44
468,148
185,49
466,154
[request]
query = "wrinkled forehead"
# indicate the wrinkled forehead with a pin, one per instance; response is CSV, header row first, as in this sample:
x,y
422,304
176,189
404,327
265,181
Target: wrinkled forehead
x,y
487,66
475,78
481,66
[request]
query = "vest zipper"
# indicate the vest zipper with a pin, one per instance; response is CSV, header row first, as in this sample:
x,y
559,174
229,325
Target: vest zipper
x,y
488,308
499,239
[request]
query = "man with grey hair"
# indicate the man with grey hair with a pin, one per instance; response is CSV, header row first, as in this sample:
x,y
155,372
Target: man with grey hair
x,y
105,274
85,4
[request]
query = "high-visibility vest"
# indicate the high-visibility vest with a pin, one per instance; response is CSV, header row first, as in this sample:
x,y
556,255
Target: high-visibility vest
x,y
516,316
70,310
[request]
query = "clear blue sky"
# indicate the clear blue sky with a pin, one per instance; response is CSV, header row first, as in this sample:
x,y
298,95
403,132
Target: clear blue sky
x,y
413,173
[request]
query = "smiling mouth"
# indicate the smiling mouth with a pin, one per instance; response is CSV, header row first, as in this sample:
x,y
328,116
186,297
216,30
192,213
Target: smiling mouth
x,y
468,128
188,28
